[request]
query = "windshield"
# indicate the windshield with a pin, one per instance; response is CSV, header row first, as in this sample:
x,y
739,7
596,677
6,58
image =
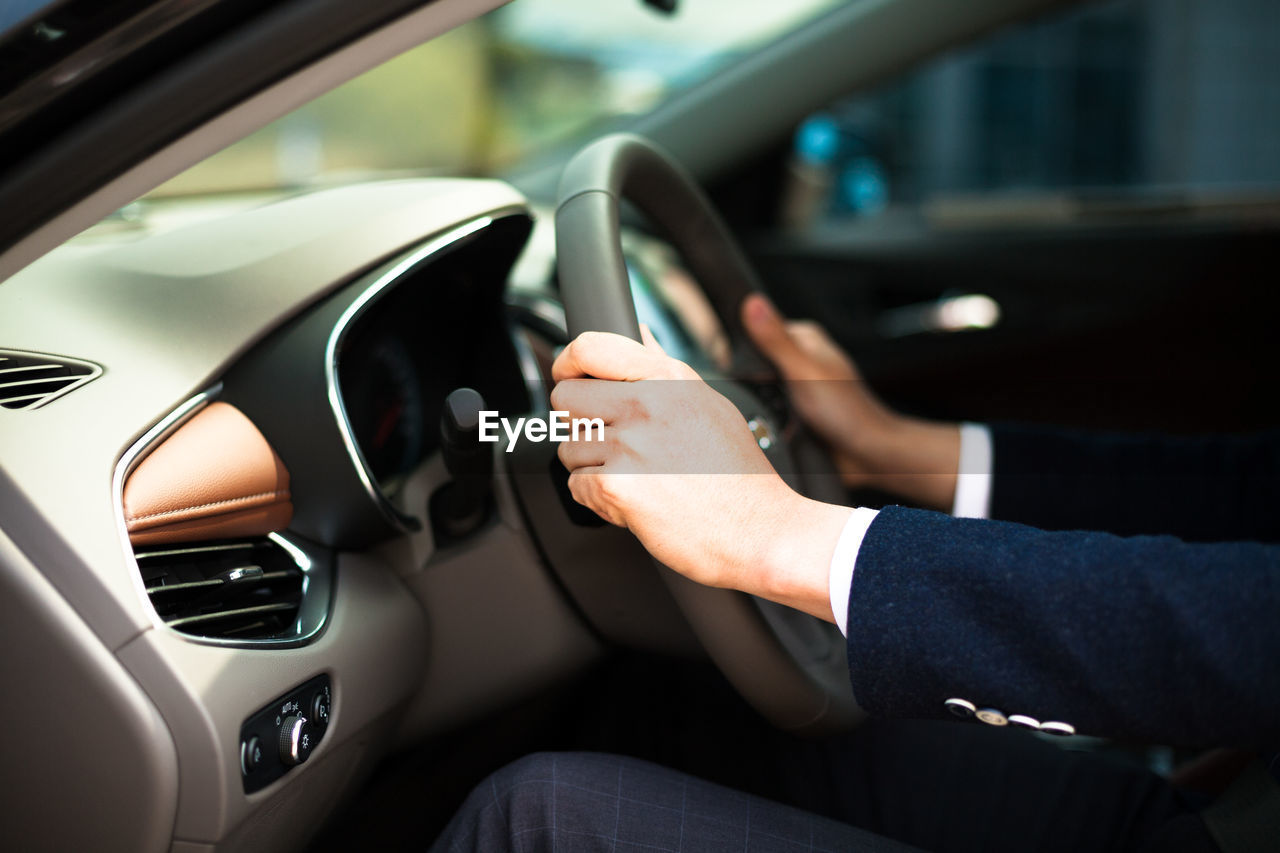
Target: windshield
x,y
524,79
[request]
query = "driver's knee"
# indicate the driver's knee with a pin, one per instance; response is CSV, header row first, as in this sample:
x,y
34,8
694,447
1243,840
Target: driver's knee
x,y
527,804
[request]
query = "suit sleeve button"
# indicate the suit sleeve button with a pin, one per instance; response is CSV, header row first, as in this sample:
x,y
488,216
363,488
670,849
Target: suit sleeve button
x,y
1022,721
962,708
1061,729
992,717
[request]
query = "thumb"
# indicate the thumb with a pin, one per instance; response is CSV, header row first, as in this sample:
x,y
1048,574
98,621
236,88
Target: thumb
x,y
769,332
649,341
601,355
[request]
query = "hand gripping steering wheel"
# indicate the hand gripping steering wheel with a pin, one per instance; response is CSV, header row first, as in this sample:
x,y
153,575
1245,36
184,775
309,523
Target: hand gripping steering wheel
x,y
789,665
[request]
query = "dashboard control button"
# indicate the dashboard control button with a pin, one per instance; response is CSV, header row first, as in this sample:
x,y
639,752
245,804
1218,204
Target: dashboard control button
x,y
282,734
296,740
320,709
250,755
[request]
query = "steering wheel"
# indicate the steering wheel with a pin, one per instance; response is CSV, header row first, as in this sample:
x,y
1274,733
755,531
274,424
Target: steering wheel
x,y
791,666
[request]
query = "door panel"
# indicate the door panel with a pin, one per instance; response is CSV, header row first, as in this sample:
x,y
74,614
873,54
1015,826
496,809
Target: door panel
x,y
1147,327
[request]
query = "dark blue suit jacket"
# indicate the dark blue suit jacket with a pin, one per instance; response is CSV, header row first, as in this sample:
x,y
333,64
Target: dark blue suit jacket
x,y
1164,628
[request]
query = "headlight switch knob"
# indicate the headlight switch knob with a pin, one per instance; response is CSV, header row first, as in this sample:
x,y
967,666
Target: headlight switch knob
x,y
296,740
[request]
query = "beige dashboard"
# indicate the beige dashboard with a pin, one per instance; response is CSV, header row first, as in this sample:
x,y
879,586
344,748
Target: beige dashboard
x,y
141,723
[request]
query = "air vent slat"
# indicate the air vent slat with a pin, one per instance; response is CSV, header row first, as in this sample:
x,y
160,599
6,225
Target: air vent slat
x,y
214,583
31,368
41,380
8,402
184,587
240,613
241,590
198,549
30,380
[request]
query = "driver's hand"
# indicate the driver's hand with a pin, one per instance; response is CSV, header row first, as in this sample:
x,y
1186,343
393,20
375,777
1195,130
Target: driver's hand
x,y
871,444
680,469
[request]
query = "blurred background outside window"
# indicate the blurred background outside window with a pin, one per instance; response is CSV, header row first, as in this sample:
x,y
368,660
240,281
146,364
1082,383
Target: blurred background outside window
x,y
527,77
1108,110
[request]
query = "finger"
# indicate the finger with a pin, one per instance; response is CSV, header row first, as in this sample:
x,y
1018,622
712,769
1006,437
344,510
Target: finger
x,y
584,485
583,453
606,356
805,330
808,337
828,360
594,398
769,332
649,341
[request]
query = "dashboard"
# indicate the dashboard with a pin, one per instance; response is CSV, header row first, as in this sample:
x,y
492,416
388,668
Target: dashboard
x,y
220,529
362,377
334,323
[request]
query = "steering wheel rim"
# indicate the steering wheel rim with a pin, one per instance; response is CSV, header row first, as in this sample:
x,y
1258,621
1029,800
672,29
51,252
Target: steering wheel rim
x,y
790,666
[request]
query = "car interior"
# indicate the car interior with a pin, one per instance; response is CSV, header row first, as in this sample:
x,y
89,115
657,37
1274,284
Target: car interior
x,y
263,587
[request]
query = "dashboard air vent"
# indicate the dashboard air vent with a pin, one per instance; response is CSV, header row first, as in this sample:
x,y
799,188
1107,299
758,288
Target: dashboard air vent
x,y
250,590
29,380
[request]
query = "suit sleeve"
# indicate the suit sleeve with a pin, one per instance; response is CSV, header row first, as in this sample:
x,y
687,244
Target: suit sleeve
x,y
1147,637
1212,489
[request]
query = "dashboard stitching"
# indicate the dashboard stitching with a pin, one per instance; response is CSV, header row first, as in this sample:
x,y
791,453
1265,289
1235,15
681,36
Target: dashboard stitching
x,y
276,494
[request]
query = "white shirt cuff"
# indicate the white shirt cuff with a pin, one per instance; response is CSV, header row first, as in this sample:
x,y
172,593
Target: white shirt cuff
x,y
972,500
840,575
973,477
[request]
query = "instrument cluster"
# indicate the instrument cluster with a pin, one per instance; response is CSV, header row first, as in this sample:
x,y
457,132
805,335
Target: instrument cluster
x,y
441,326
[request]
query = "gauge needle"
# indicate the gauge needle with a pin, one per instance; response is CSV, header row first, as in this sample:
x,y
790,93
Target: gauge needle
x,y
387,424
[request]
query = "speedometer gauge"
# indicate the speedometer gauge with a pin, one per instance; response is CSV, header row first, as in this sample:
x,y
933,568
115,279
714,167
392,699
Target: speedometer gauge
x,y
386,409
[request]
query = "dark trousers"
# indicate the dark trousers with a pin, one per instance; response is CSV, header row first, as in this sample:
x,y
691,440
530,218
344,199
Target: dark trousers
x,y
893,786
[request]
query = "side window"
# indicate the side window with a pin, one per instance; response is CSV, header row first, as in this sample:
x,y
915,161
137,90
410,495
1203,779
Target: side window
x,y
1120,108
